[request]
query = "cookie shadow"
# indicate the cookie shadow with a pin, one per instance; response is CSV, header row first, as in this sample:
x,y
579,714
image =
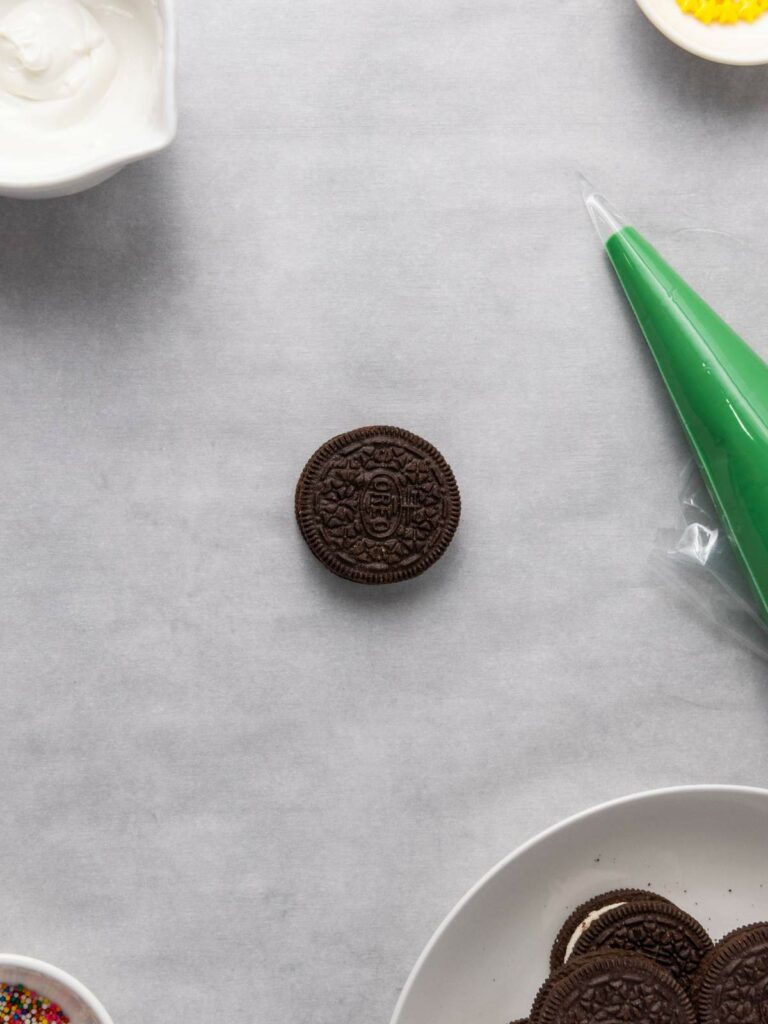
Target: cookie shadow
x,y
355,596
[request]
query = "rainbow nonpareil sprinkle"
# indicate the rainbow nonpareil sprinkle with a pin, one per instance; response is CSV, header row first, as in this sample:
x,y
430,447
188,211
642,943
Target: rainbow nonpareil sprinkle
x,y
724,12
20,1005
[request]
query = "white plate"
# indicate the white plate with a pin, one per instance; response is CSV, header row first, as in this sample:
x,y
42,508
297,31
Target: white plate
x,y
703,846
743,43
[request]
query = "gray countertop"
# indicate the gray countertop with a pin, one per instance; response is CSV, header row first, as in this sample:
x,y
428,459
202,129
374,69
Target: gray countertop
x,y
232,783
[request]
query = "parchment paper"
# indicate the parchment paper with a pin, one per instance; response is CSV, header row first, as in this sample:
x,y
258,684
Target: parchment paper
x,y
235,787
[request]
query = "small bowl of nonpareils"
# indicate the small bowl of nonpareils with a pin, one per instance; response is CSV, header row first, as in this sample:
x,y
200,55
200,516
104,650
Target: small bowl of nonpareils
x,y
34,992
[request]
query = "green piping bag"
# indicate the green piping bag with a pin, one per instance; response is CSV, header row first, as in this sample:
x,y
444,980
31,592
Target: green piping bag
x,y
718,383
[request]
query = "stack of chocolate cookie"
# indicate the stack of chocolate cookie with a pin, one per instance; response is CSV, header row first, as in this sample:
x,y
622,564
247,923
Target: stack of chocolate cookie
x,y
633,956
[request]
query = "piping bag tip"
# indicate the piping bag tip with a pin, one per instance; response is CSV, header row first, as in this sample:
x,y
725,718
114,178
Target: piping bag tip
x,y
605,220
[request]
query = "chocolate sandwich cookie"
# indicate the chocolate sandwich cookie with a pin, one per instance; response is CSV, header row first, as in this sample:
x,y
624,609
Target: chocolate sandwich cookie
x,y
657,929
612,988
588,912
731,985
377,505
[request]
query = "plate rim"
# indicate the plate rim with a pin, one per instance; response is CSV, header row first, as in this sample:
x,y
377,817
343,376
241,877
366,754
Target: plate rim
x,y
664,791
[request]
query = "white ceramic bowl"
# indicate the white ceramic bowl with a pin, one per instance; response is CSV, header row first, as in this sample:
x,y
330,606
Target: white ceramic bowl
x,y
93,173
743,43
703,846
79,1004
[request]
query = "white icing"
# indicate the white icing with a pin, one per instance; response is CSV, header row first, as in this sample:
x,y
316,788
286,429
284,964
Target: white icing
x,y
79,80
53,50
588,921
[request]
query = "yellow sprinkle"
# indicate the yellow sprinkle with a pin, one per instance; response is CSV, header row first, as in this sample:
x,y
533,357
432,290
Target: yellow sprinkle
x,y
725,12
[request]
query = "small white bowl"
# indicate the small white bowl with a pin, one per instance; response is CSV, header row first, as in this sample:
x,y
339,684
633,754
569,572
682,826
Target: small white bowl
x,y
94,172
702,846
743,44
79,1004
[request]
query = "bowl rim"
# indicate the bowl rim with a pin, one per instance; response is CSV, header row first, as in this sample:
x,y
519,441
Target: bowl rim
x,y
648,794
93,168
65,979
713,53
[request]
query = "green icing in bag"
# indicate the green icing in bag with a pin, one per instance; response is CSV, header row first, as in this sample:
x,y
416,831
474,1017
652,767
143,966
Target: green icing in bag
x,y
718,383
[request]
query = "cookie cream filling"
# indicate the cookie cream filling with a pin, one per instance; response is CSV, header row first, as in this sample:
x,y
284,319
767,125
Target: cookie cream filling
x,y
588,921
78,80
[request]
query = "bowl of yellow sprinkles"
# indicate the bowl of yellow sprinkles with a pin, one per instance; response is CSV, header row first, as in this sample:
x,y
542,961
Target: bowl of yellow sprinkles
x,y
726,31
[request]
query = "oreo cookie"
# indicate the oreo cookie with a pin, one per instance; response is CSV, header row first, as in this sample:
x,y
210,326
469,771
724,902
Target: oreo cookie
x,y
377,505
731,984
656,929
586,913
611,987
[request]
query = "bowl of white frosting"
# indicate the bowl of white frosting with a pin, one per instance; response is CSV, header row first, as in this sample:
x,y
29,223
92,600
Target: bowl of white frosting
x,y
86,87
